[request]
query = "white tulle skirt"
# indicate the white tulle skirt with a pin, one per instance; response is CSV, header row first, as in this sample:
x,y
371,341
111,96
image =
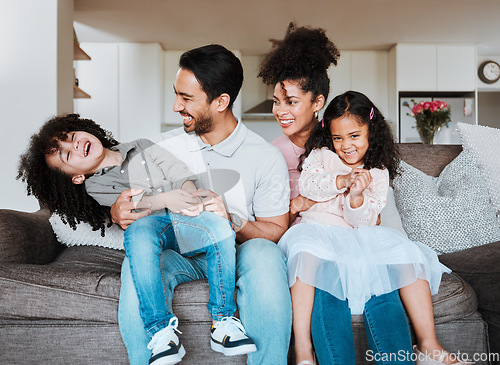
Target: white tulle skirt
x,y
357,263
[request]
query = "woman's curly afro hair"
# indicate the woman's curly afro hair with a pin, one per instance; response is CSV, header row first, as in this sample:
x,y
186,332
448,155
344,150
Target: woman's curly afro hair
x,y
53,188
304,55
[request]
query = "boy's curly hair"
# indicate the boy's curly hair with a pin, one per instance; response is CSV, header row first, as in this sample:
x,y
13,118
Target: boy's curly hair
x,y
304,56
52,187
382,149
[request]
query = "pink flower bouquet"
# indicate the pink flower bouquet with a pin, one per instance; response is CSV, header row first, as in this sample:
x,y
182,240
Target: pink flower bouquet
x,y
429,116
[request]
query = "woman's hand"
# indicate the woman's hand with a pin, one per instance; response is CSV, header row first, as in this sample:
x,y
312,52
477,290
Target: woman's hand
x,y
300,204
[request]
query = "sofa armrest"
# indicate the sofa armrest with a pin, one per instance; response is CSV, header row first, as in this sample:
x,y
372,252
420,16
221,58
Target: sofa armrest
x,y
27,238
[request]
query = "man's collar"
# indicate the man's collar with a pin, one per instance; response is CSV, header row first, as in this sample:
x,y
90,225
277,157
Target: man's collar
x,y
226,147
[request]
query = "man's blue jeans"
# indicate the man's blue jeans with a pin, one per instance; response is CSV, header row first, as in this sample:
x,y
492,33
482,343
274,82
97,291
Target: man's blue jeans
x,y
386,327
146,238
263,300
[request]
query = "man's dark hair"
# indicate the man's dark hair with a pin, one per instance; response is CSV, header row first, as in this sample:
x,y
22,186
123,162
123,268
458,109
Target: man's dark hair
x,y
217,70
52,187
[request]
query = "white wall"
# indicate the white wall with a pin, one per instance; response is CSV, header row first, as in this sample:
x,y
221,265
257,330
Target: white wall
x,y
125,82
36,38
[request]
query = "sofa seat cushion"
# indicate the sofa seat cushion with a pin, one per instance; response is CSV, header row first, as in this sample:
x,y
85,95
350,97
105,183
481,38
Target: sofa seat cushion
x,y
83,283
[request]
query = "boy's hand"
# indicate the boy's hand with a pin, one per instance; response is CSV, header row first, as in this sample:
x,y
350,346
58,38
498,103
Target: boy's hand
x,y
179,199
121,210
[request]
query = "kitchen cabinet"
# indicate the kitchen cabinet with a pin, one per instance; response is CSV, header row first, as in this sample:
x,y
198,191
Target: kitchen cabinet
x,y
363,71
423,67
126,84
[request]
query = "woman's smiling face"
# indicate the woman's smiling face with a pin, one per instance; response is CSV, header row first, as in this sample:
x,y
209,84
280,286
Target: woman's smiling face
x,y
293,108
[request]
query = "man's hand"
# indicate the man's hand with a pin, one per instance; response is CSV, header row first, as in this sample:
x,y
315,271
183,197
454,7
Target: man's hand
x,y
212,202
121,210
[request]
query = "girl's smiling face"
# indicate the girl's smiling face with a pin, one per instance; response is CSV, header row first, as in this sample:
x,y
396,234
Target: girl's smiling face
x,y
350,139
80,154
293,108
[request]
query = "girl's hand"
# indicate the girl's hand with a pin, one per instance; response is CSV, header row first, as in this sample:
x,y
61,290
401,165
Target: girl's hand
x,y
300,204
361,179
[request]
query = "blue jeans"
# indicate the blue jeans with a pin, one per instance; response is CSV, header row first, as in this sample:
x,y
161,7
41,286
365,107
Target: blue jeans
x,y
263,300
386,327
146,238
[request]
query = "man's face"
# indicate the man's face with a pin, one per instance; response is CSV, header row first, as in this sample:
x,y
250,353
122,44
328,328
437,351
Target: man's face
x,y
192,104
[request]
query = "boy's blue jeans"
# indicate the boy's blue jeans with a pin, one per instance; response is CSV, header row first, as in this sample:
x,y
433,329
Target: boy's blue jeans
x,y
263,299
148,237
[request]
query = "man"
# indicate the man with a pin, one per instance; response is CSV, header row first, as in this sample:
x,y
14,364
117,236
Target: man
x,y
248,181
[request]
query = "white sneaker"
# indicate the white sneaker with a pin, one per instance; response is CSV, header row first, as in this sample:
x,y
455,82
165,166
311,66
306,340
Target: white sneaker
x,y
165,346
229,337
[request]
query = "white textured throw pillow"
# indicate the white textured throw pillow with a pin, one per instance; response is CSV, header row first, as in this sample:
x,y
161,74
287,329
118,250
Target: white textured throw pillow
x,y
85,236
389,217
484,142
449,213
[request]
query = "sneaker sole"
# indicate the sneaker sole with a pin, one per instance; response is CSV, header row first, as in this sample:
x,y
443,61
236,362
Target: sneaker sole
x,y
240,350
171,359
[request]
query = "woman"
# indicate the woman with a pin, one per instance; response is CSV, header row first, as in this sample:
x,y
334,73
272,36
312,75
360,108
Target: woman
x,y
297,68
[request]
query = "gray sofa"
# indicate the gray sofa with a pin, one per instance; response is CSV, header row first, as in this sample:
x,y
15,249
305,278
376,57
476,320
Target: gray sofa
x,y
58,305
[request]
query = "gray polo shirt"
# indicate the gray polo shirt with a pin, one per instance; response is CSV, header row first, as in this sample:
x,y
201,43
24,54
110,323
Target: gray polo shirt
x,y
249,173
144,165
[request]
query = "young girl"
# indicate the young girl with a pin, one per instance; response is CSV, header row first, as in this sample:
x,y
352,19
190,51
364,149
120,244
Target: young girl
x,y
78,170
349,160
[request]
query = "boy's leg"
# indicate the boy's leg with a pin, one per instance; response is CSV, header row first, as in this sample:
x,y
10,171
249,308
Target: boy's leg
x,y
144,241
176,269
216,239
264,300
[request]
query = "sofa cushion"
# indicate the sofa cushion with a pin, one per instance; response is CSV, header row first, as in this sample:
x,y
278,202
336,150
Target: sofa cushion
x,y
83,283
84,235
449,213
484,143
480,268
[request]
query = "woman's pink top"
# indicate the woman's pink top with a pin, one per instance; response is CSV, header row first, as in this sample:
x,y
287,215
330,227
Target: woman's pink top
x,y
318,182
291,153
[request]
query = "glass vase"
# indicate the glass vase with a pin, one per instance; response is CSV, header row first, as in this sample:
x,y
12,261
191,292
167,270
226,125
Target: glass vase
x,y
427,135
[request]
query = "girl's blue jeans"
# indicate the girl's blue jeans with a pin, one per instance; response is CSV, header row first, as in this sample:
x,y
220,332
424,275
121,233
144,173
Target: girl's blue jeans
x,y
264,302
386,327
148,237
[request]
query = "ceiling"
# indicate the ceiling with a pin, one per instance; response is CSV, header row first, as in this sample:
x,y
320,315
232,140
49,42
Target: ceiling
x,y
247,25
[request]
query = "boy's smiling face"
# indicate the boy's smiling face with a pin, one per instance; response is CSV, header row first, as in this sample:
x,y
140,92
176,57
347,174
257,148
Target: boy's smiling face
x,y
80,154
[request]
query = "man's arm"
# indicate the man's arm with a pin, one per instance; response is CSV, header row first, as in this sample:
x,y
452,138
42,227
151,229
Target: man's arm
x,y
271,228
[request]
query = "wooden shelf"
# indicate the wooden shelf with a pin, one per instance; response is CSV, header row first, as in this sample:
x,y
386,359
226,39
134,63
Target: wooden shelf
x,y
79,54
79,93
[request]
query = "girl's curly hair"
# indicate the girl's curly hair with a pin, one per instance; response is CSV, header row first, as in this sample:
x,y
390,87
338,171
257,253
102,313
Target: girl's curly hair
x,y
382,149
51,186
304,56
